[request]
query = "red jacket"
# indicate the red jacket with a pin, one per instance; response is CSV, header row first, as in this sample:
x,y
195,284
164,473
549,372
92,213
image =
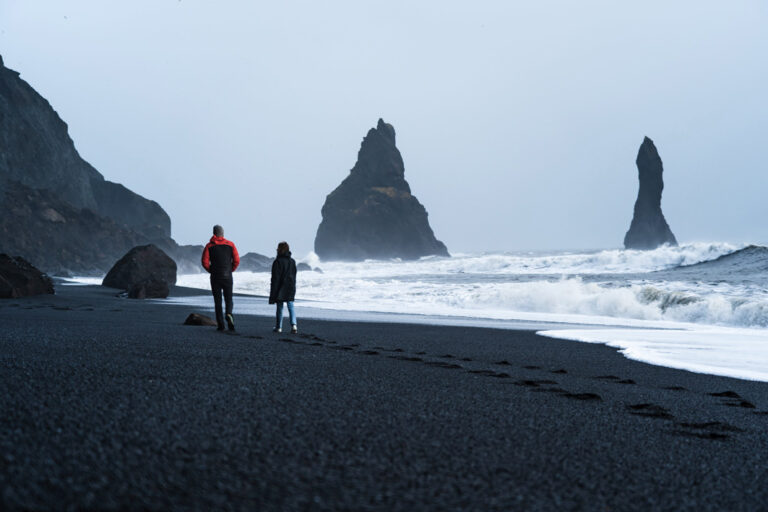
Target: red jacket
x,y
220,256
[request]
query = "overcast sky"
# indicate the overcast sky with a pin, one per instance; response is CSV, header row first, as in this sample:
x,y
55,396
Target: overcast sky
x,y
519,122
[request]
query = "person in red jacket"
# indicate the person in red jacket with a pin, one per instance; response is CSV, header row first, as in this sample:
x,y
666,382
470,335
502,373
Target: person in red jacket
x,y
220,259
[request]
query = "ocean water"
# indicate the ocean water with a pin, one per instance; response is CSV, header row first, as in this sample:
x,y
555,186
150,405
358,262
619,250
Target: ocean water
x,y
701,306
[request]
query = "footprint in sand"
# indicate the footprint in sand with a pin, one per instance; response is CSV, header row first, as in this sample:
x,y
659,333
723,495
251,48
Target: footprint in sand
x,y
711,430
532,367
726,394
534,383
583,396
712,426
650,411
441,364
733,399
490,373
740,403
406,358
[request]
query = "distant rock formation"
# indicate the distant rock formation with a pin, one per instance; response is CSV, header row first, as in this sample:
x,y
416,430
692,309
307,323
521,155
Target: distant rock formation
x,y
18,278
254,262
649,229
145,272
57,236
56,210
372,213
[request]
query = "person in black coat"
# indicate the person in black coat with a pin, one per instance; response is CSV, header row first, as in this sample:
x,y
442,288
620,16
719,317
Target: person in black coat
x,y
283,286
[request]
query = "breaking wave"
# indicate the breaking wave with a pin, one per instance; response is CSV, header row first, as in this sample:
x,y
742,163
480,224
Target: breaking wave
x,y
613,261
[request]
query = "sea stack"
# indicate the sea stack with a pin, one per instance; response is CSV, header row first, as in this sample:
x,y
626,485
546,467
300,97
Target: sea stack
x,y
372,214
649,229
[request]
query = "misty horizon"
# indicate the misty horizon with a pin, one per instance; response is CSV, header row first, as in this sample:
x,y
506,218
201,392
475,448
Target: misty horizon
x,y
518,125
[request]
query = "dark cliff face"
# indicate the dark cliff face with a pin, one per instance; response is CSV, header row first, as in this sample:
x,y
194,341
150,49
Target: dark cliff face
x,y
649,229
36,150
372,213
57,210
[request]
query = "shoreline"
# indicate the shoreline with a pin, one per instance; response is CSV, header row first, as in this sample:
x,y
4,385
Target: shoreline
x,y
112,403
651,344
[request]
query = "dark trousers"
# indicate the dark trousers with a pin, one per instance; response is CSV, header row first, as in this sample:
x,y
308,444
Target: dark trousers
x,y
221,285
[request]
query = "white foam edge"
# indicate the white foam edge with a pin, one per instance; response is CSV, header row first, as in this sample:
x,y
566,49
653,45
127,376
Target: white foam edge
x,y
723,351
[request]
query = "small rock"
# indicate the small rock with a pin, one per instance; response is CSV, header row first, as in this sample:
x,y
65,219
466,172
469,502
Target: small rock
x,y
197,319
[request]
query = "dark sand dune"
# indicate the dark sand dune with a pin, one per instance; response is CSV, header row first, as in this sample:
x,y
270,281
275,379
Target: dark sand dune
x,y
112,403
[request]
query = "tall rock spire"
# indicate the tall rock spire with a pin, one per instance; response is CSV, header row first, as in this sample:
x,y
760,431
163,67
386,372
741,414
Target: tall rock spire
x,y
649,229
372,213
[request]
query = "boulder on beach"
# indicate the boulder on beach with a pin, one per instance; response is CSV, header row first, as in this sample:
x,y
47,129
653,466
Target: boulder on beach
x,y
145,272
18,278
649,228
150,289
198,319
372,213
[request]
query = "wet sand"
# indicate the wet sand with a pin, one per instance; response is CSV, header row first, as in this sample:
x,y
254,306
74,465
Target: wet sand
x,y
110,403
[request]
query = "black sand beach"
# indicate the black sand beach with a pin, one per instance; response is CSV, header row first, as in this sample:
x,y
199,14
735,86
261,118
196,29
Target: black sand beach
x,y
109,403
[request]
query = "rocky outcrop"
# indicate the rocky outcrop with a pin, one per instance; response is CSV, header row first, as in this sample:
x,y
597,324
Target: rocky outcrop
x,y
372,213
38,152
57,236
649,229
18,278
255,262
57,210
145,272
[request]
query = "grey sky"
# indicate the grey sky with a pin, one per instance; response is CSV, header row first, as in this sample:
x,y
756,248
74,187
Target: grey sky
x,y
519,122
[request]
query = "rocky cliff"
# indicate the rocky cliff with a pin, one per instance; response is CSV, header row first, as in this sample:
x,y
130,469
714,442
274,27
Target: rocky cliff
x,y
57,210
372,213
649,229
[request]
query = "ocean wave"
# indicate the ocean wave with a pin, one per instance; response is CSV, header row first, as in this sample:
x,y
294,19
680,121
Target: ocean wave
x,y
614,261
567,299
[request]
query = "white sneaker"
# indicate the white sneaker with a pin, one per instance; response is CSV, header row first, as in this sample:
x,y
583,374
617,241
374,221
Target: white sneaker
x,y
277,330
294,329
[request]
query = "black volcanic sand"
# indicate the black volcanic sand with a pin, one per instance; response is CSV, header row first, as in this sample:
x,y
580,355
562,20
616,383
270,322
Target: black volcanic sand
x,y
111,403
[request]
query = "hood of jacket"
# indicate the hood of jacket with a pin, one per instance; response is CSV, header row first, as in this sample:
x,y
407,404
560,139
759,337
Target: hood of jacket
x,y
218,240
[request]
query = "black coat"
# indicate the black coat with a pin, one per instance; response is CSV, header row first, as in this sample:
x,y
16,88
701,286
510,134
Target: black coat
x,y
283,288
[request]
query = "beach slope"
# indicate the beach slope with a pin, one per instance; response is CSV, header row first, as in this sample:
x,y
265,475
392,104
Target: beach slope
x,y
113,403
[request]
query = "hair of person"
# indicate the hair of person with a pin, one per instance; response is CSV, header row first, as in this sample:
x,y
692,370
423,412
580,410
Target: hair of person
x,y
282,248
218,230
